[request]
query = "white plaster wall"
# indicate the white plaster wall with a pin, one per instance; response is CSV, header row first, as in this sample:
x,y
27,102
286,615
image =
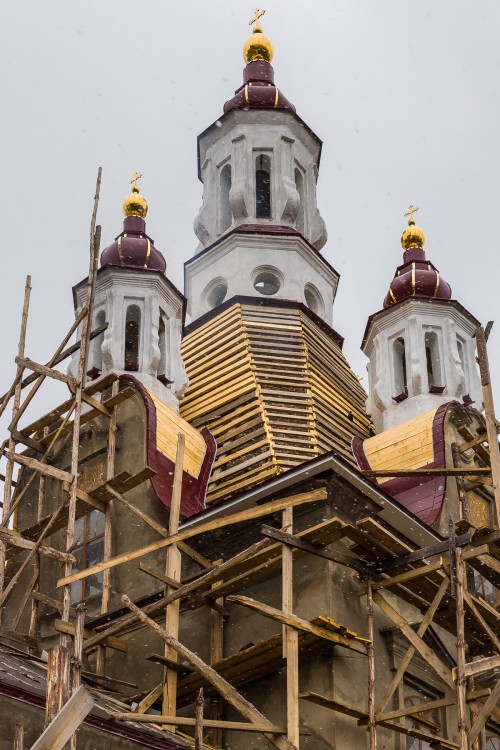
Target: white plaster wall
x,y
238,141
235,259
116,289
410,320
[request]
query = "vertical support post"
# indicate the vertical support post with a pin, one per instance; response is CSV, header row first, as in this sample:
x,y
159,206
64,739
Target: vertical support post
x,y
371,666
108,528
216,654
95,234
77,658
173,570
58,679
33,626
19,737
489,414
461,678
290,637
462,492
198,732
7,495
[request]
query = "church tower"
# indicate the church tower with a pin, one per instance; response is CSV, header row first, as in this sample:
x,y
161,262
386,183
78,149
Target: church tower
x,y
142,308
420,344
259,227
266,370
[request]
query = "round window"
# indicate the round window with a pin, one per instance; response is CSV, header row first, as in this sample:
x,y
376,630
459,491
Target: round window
x,y
267,282
313,299
216,294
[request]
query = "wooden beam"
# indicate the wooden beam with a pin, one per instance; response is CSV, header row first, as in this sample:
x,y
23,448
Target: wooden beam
x,y
200,600
95,404
32,463
424,650
313,548
150,698
183,721
479,471
474,668
371,667
480,619
66,722
217,523
228,692
290,637
489,414
428,706
19,737
14,538
48,372
461,681
297,622
421,554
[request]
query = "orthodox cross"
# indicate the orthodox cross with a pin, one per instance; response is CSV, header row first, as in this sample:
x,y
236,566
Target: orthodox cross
x,y
255,20
410,213
133,182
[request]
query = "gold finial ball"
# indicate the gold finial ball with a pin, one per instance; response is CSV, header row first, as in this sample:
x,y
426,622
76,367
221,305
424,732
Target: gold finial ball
x,y
258,47
413,236
135,205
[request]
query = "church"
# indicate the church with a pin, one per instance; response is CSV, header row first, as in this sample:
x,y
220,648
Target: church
x,y
219,539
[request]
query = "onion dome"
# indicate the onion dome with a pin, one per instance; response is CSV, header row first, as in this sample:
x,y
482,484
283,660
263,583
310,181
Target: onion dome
x,y
258,90
416,277
133,248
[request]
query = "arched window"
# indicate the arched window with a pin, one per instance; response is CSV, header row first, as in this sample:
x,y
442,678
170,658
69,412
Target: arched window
x,y
263,187
162,344
97,343
433,361
314,300
132,336
400,378
226,215
299,184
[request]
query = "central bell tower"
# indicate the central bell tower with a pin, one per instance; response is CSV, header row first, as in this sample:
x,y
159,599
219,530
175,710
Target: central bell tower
x,y
259,227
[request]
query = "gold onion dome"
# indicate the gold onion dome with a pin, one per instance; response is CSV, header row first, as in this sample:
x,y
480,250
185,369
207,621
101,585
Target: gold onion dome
x,y
135,204
413,236
258,46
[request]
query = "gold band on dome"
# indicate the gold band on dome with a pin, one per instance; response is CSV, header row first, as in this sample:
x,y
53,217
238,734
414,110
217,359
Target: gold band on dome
x,y
276,98
437,284
392,295
413,278
148,253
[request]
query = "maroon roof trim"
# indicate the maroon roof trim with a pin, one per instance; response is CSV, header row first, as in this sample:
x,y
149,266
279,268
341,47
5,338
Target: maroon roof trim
x,y
434,301
266,302
193,490
422,496
110,726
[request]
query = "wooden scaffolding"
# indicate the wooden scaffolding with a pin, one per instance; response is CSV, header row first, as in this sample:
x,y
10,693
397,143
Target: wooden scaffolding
x,y
432,579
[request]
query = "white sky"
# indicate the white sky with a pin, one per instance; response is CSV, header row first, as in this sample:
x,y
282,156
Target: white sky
x,y
404,96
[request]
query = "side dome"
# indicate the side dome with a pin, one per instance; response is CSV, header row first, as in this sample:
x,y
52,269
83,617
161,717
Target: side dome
x,y
417,276
133,248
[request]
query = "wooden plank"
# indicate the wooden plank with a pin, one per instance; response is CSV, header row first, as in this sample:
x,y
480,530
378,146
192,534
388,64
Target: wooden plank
x,y
474,668
246,515
183,721
290,637
297,622
14,538
246,709
66,722
429,706
315,549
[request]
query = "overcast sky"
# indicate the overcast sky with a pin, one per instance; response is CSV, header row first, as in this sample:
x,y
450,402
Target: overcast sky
x,y
403,94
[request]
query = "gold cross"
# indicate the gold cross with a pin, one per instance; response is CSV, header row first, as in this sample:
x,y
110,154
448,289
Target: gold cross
x,y
133,182
255,20
410,213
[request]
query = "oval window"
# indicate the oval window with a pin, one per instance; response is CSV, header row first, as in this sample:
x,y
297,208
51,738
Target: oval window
x,y
216,294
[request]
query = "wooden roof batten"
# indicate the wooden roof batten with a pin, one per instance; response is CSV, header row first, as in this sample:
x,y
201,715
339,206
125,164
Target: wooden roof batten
x,y
431,577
